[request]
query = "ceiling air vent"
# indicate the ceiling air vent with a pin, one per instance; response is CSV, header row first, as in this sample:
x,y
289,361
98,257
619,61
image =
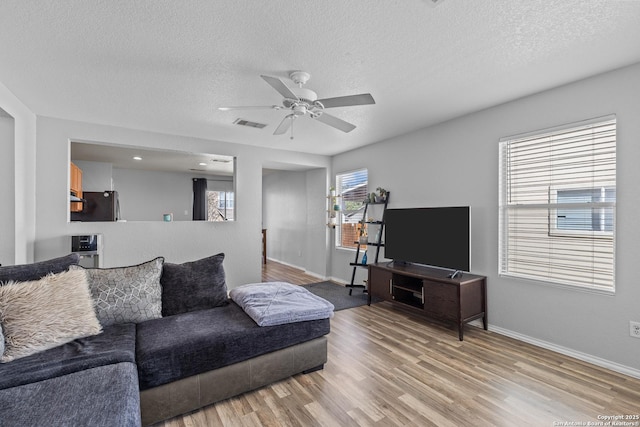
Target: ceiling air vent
x,y
243,122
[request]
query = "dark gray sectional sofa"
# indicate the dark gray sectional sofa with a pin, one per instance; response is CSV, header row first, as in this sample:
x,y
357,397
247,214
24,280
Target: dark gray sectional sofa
x,y
134,374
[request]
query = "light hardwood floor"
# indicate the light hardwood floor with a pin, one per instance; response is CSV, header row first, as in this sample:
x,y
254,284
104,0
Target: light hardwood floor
x,y
390,368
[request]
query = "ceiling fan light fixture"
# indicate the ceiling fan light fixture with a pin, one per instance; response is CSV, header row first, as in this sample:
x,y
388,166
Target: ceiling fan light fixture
x,y
299,109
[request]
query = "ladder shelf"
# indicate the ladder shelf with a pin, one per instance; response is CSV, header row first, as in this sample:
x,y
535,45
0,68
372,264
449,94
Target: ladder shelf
x,y
377,243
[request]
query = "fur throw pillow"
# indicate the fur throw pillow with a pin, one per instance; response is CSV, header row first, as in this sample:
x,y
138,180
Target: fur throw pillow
x,y
42,314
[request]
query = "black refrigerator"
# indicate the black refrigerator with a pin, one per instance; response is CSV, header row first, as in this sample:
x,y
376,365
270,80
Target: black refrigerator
x,y
98,206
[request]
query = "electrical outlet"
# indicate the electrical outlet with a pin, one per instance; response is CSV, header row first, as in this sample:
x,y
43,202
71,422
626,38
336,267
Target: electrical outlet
x,y
634,329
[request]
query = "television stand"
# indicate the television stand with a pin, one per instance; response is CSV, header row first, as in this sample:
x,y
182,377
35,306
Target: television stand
x,y
430,292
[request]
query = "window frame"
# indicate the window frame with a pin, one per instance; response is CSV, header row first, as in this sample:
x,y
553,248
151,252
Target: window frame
x,y
342,202
520,209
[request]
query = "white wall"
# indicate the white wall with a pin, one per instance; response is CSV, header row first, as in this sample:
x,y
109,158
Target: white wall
x,y
7,191
24,201
456,163
134,242
294,216
96,176
316,230
148,195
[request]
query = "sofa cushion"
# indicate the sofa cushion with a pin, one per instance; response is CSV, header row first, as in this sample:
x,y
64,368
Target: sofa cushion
x,y
126,294
104,396
187,344
41,314
115,344
195,285
37,270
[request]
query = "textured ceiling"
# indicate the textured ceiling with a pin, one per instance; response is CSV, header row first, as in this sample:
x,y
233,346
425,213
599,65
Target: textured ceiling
x,y
166,65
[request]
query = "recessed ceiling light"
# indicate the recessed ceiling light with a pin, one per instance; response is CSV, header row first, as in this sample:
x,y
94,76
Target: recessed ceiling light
x,y
202,164
137,158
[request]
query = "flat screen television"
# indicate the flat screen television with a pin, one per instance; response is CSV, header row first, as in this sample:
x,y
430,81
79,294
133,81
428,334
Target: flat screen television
x,y
438,237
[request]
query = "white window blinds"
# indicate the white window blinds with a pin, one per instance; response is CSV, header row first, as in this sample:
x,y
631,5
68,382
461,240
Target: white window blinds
x,y
557,205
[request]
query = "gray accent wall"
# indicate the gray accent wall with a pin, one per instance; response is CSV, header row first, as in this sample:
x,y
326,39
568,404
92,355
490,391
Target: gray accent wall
x,y
456,163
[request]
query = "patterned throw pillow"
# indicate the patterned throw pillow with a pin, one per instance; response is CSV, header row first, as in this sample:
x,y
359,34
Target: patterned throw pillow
x,y
126,294
42,314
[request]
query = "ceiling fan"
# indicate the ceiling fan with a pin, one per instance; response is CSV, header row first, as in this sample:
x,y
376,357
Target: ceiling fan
x,y
304,102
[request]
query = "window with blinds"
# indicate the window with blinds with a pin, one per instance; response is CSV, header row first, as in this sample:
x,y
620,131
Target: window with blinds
x,y
558,203
352,190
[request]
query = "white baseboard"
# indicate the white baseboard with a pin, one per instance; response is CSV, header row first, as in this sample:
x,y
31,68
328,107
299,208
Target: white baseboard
x,y
626,370
311,273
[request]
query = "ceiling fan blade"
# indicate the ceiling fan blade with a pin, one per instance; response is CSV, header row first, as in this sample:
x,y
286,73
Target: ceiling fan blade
x,y
279,85
265,107
335,122
284,125
347,101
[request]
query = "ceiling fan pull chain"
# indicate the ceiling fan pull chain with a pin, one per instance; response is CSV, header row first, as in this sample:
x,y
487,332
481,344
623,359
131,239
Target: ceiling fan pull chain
x,y
292,118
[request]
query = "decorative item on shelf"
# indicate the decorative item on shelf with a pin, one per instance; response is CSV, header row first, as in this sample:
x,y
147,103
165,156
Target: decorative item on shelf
x,y
334,207
362,233
378,234
364,258
168,217
382,195
372,198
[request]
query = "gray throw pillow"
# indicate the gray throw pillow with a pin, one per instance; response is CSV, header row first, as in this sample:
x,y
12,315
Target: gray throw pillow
x,y
126,294
42,314
37,270
195,285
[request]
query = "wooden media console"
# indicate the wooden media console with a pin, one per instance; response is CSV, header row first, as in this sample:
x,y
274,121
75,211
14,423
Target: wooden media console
x,y
429,292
